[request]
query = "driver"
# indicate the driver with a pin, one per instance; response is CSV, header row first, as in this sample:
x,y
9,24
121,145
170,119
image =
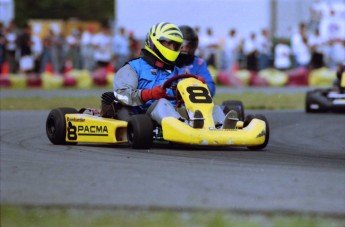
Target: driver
x,y
190,63
138,84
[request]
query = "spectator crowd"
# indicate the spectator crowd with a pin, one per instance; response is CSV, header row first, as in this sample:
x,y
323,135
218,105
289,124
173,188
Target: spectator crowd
x,y
23,51
315,43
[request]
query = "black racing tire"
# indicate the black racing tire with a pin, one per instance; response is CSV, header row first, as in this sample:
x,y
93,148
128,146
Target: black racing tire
x,y
234,105
317,98
267,137
307,102
56,125
248,119
140,131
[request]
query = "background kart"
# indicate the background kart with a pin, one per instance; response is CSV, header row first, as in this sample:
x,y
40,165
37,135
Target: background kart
x,y
324,100
68,126
327,100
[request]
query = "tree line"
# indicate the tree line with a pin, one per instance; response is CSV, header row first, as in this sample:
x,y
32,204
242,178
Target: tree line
x,y
100,10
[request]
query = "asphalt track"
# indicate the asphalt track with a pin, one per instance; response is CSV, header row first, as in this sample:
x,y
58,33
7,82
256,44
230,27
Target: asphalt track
x,y
301,170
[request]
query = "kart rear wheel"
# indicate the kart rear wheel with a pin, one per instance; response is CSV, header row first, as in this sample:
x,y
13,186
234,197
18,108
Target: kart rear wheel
x,y
140,131
234,105
307,102
267,136
56,125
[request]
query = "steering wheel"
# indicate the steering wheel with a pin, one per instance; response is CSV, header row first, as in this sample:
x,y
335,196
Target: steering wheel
x,y
169,83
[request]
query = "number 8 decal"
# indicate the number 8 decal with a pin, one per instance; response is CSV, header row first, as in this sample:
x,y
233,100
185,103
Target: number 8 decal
x,y
71,131
199,95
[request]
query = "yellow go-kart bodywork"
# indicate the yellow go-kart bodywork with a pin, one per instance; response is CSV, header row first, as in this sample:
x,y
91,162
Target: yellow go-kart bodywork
x,y
196,97
252,135
95,129
67,126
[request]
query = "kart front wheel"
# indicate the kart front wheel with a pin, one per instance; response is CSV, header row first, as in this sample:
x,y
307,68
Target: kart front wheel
x,y
140,131
317,102
248,119
56,125
308,109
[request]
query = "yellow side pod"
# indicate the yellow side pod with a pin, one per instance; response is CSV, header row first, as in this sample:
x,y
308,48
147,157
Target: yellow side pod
x,y
94,129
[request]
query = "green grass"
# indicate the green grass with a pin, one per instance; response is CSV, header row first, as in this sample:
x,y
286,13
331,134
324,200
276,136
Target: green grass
x,y
48,103
250,101
265,101
37,217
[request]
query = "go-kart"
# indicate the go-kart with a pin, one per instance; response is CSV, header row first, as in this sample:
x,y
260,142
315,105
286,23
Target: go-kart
x,y
328,99
68,126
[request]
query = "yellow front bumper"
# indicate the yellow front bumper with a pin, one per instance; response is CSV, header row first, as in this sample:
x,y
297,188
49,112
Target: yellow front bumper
x,y
177,131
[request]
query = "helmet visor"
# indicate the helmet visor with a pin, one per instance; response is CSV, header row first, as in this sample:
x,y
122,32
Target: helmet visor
x,y
189,46
193,44
172,45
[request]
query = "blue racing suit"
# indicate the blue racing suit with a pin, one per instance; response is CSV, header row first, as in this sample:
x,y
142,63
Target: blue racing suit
x,y
199,67
138,75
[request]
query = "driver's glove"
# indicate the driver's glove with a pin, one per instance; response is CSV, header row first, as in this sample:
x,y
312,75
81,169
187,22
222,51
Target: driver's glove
x,y
154,93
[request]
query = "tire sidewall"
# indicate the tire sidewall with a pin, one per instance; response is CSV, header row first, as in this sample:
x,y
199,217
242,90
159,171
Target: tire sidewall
x,y
56,120
140,132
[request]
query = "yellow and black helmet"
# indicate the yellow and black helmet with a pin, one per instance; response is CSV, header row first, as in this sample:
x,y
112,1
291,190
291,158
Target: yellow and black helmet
x,y
164,32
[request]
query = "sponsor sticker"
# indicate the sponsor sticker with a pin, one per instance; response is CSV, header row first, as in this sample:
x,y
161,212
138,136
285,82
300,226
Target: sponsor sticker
x,y
74,131
75,119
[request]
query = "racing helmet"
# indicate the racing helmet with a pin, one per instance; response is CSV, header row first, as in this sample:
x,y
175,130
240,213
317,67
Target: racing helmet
x,y
164,32
190,38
